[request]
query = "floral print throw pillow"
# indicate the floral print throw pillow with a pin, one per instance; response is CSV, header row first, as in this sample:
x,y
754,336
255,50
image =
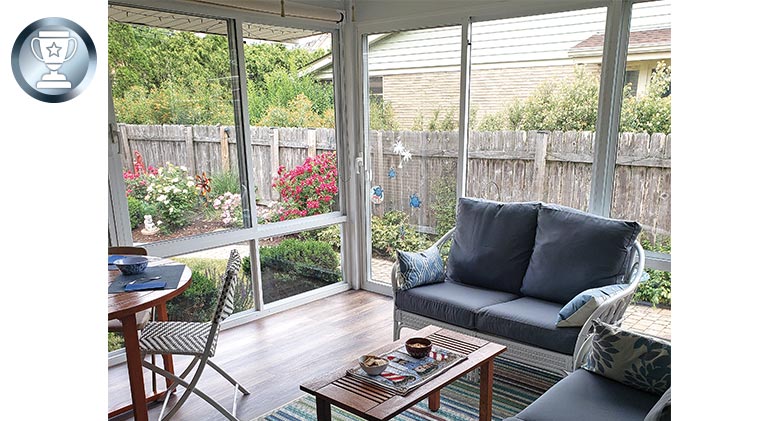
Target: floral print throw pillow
x,y
639,361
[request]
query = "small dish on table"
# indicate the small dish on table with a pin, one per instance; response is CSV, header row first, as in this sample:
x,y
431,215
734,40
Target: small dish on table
x,y
131,265
418,347
372,365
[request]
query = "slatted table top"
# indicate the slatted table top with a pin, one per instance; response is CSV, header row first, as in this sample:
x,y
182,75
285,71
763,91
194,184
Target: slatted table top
x,y
374,402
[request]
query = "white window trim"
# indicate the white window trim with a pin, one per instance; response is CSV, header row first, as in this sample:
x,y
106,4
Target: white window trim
x,y
119,222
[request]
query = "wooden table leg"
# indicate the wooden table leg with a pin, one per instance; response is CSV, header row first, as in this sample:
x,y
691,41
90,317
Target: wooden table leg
x,y
323,410
134,370
486,391
162,315
434,401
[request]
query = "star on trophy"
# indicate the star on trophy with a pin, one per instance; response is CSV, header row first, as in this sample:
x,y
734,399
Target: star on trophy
x,y
53,47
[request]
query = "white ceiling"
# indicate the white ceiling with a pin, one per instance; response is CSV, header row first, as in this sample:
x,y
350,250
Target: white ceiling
x,y
191,23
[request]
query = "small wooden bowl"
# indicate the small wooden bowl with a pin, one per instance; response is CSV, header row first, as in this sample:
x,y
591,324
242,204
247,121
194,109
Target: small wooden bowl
x,y
418,347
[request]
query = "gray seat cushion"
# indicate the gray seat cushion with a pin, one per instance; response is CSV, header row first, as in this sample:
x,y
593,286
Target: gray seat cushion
x,y
449,302
576,251
492,243
584,396
531,321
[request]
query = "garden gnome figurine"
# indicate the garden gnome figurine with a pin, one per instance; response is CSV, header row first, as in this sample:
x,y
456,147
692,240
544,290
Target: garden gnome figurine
x,y
149,227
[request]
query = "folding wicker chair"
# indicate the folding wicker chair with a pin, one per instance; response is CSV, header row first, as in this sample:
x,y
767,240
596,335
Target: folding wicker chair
x,y
198,339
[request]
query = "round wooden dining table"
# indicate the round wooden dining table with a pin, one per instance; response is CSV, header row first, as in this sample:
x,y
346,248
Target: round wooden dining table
x,y
123,306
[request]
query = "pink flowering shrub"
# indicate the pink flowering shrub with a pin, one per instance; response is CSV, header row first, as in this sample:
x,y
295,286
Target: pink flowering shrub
x,y
308,189
136,180
229,204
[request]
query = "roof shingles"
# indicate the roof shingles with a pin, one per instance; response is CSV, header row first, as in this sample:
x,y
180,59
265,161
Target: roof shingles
x,y
636,39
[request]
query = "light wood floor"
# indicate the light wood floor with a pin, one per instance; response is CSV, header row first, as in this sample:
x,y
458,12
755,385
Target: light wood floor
x,y
272,356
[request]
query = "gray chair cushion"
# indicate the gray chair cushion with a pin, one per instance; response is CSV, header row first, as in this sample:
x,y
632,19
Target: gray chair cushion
x,y
531,321
449,302
576,251
584,396
662,410
492,243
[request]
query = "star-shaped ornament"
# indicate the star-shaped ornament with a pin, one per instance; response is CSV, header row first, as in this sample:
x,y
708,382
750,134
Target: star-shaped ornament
x,y
54,50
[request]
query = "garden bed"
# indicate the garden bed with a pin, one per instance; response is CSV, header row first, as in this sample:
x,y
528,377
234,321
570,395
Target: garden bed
x,y
196,228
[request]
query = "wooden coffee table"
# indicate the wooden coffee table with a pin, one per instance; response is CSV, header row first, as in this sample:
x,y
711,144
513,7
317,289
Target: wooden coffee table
x,y
376,403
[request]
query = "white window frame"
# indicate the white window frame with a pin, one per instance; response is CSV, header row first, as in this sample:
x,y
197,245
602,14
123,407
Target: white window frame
x,y
614,58
119,221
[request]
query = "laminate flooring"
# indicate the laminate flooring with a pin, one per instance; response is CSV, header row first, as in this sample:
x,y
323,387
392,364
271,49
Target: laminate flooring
x,y
272,356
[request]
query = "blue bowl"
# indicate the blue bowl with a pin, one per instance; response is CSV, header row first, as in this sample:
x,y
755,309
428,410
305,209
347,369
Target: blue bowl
x,y
132,265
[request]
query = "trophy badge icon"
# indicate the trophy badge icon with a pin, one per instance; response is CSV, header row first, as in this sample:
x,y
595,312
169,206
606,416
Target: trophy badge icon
x,y
55,49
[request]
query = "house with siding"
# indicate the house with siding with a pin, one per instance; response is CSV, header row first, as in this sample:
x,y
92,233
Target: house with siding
x,y
418,72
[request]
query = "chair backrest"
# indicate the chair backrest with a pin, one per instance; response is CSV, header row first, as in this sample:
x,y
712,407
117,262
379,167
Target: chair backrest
x,y
225,304
131,250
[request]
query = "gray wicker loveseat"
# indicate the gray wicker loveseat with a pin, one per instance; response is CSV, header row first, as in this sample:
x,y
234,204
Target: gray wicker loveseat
x,y
514,268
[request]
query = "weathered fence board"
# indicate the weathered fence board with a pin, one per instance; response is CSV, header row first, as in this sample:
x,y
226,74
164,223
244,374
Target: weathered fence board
x,y
553,167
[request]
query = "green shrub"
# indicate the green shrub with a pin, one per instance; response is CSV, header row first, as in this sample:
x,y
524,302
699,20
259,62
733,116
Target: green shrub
x,y
392,232
309,258
298,112
198,301
657,289
330,235
115,341
493,122
174,194
651,112
224,182
572,104
136,209
381,114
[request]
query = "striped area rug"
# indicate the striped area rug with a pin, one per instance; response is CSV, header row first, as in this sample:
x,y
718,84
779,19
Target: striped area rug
x,y
515,386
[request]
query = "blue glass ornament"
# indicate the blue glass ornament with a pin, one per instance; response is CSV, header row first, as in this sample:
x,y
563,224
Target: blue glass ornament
x,y
415,201
377,195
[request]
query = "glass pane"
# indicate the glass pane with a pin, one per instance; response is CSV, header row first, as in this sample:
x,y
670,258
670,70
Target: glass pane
x,y
413,140
291,111
297,263
199,301
642,190
534,101
172,93
208,267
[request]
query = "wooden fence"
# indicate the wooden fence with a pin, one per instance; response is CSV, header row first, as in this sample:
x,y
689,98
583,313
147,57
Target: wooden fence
x,y
506,165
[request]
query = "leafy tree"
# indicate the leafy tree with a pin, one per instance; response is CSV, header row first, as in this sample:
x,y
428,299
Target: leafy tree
x,y
168,77
381,114
299,112
572,104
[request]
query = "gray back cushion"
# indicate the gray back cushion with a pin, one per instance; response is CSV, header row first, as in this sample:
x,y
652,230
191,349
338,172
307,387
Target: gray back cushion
x,y
492,243
576,251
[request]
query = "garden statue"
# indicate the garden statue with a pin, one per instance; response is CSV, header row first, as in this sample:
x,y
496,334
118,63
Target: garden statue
x,y
149,227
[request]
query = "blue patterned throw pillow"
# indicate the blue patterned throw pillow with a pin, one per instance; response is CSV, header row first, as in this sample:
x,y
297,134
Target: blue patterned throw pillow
x,y
420,268
577,311
639,361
